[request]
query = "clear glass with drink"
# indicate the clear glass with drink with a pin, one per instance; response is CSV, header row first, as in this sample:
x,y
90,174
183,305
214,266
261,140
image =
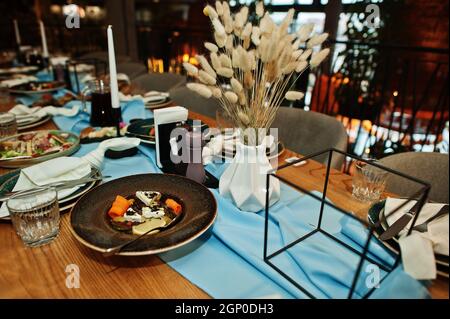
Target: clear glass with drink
x,y
368,181
35,215
8,124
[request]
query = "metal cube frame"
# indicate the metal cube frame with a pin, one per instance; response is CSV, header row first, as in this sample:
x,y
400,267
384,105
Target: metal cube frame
x,y
422,196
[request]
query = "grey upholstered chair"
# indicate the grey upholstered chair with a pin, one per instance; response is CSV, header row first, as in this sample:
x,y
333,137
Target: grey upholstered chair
x,y
310,132
192,101
132,69
103,56
157,81
429,167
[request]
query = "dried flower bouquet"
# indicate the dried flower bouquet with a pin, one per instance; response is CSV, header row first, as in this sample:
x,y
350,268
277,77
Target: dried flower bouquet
x,y
251,66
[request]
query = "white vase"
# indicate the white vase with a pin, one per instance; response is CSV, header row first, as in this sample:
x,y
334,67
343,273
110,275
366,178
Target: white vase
x,y
244,180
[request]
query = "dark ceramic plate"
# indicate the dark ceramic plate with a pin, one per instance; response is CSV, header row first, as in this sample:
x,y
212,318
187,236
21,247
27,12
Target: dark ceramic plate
x,y
376,212
90,225
32,87
141,129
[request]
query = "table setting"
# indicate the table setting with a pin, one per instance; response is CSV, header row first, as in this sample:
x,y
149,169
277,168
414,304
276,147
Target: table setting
x,y
114,177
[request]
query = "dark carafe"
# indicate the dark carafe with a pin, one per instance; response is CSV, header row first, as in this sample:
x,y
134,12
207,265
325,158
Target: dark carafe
x,y
102,114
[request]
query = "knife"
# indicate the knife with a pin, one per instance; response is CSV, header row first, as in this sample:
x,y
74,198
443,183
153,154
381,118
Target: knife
x,y
400,223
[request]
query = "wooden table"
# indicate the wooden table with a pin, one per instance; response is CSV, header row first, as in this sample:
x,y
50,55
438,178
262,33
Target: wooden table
x,y
41,272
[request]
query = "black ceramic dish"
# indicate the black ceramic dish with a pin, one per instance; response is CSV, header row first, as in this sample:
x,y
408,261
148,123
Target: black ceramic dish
x,y
90,224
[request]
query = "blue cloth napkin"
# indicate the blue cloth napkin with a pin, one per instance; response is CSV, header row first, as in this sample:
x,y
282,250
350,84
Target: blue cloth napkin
x,y
227,261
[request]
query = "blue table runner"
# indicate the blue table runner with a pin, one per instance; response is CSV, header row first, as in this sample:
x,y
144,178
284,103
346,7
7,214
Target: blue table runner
x,y
226,262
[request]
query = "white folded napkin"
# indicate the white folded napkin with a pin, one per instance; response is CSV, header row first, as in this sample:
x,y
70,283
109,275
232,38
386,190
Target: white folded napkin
x,y
59,60
436,239
213,148
64,169
24,113
226,143
123,77
87,78
151,96
56,170
18,80
96,157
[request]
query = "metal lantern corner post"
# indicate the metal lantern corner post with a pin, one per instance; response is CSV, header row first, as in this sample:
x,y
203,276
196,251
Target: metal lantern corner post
x,y
422,195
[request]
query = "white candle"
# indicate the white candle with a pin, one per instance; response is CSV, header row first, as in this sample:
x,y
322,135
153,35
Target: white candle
x,y
16,30
114,88
44,40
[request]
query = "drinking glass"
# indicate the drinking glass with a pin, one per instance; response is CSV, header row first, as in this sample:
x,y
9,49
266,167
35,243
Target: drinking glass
x,y
4,95
368,181
35,215
8,124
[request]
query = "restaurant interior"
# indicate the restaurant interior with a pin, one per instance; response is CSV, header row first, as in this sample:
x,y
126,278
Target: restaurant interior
x,y
275,149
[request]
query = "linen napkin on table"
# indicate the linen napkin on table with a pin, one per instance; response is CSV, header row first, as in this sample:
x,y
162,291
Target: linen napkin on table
x,y
19,80
64,169
226,143
96,157
24,113
418,249
151,96
55,170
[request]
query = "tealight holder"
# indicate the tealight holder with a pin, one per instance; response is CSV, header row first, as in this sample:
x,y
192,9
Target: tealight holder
x,y
333,225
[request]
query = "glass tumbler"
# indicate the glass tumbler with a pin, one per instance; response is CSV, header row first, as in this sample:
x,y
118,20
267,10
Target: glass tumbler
x,y
368,181
8,124
35,215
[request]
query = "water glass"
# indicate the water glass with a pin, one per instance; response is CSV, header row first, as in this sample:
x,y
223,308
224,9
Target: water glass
x,y
4,95
35,215
368,181
8,124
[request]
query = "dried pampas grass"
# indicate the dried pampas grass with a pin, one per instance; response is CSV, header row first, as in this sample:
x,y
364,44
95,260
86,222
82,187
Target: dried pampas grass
x,y
254,63
294,95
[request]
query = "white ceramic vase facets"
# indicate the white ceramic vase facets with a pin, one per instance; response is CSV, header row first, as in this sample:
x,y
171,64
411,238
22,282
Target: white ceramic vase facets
x,y
244,180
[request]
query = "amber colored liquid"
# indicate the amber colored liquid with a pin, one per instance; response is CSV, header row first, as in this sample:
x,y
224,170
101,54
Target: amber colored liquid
x,y
101,110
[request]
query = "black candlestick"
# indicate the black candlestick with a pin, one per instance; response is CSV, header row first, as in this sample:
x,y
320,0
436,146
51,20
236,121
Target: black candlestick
x,y
117,114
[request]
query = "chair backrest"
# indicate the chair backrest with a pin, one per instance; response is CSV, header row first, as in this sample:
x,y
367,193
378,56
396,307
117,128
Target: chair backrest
x,y
310,132
157,81
184,97
132,69
429,167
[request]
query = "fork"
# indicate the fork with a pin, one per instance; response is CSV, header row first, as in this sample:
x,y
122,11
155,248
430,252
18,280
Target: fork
x,y
422,228
117,249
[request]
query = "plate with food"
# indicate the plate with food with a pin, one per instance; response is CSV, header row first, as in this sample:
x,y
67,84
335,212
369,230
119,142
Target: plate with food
x,y
119,211
8,181
34,147
37,87
98,134
145,129
48,99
